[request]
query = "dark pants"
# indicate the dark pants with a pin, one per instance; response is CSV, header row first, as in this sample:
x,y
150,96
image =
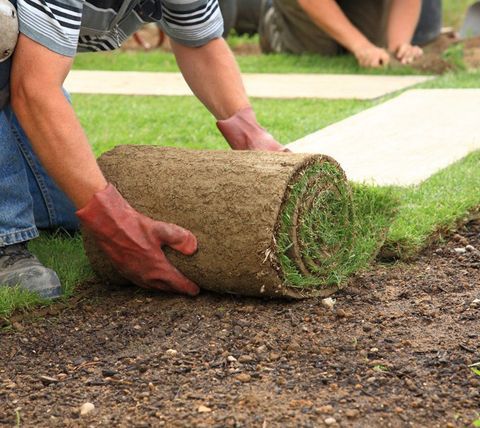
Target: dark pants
x,y
285,27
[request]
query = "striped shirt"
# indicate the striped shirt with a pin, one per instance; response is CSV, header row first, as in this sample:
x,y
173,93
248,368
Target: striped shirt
x,y
70,26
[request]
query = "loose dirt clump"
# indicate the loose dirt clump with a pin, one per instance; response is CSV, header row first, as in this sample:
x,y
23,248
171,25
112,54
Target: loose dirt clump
x,y
394,351
448,53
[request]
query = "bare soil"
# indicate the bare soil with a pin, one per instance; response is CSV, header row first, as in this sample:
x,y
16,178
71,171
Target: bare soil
x,y
434,60
393,351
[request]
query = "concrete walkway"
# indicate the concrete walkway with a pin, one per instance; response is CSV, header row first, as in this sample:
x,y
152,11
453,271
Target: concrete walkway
x,y
328,86
405,140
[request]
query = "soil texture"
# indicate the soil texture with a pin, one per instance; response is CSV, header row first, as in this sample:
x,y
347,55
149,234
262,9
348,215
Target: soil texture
x,y
448,53
393,351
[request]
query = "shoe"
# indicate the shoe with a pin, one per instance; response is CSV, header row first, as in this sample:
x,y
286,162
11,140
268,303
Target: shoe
x,y
19,267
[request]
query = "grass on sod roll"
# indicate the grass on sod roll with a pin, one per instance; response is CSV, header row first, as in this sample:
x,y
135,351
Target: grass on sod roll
x,y
338,230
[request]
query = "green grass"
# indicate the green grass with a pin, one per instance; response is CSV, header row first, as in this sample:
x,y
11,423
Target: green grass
x,y
60,252
435,208
338,230
454,12
275,63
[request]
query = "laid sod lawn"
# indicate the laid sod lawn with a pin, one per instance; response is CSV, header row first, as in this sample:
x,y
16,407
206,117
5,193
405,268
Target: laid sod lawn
x,y
278,63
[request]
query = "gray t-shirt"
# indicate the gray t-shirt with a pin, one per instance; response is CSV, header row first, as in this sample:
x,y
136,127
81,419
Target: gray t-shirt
x,y
68,26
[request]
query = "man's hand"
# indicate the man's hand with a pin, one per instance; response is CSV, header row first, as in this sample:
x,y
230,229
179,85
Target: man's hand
x,y
133,242
243,132
407,53
371,56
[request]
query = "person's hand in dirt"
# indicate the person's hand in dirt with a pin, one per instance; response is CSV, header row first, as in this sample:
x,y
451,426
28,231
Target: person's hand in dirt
x,y
402,21
133,242
243,132
370,56
407,53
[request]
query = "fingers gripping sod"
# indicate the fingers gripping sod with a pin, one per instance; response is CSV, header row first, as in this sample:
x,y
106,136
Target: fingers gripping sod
x,y
133,242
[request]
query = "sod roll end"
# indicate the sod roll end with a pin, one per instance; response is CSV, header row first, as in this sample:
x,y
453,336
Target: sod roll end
x,y
267,224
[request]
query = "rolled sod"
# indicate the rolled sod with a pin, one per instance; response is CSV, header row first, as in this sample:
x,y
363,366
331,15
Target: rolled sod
x,y
267,224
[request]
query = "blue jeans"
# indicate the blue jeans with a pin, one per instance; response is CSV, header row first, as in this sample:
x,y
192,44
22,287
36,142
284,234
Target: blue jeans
x,y
430,22
29,198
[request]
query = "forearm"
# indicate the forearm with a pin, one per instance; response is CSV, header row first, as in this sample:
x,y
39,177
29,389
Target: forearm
x,y
402,21
59,141
328,16
213,75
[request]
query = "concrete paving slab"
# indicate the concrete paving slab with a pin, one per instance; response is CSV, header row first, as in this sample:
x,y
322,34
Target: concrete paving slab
x,y
328,86
402,141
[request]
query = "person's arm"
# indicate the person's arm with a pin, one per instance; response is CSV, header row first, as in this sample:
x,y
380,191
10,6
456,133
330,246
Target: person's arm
x,y
132,241
328,16
213,75
50,122
402,21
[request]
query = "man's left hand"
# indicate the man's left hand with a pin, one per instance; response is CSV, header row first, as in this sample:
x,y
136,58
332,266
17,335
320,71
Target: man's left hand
x,y
243,132
407,53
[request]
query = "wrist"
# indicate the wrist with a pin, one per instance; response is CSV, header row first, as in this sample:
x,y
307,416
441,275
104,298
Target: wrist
x,y
239,128
359,44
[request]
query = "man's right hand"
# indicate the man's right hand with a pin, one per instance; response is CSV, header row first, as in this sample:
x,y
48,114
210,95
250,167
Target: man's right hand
x,y
370,56
133,242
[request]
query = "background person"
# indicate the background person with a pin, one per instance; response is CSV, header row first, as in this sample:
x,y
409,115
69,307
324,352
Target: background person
x,y
369,29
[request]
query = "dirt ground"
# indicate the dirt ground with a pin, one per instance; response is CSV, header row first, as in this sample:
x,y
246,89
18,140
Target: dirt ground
x,y
436,59
393,351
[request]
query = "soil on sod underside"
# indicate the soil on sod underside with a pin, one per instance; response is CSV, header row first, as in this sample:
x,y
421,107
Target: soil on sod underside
x,y
394,351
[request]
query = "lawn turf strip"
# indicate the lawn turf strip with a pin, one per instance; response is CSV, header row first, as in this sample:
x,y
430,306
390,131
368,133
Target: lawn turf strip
x,y
267,224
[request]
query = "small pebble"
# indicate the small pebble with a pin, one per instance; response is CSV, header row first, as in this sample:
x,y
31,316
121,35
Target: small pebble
x,y
86,408
352,413
171,353
327,409
243,377
328,302
460,250
47,380
245,359
470,248
330,421
231,359
204,409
